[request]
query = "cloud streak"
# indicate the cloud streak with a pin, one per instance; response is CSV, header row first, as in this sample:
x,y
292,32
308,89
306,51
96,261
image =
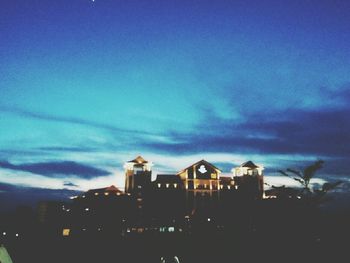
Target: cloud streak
x,y
324,133
70,120
56,169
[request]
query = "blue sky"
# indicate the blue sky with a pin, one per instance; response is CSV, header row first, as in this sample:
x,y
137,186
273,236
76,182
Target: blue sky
x,y
86,86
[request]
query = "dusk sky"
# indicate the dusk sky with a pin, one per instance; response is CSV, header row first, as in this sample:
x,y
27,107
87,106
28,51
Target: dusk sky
x,y
88,85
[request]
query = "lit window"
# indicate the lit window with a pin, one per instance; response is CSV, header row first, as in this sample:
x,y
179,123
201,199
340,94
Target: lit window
x,y
167,185
171,229
139,186
175,185
221,186
229,187
118,193
106,193
159,185
96,193
83,196
65,232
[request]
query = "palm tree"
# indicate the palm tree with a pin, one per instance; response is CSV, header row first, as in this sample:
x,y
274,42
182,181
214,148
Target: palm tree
x,y
304,177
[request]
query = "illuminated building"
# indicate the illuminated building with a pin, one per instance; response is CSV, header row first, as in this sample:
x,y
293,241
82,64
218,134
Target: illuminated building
x,y
168,198
202,185
197,195
249,179
138,181
137,175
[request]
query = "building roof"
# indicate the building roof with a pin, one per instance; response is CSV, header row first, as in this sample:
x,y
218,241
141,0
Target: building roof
x,y
249,164
139,159
110,189
168,178
201,161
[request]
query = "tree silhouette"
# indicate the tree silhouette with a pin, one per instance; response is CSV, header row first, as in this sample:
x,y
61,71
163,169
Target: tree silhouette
x,y
304,178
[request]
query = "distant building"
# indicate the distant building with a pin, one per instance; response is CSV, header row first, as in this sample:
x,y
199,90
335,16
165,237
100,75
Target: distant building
x,y
100,211
168,203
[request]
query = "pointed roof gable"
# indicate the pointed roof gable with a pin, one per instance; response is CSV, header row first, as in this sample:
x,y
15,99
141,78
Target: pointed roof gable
x,y
249,164
139,159
201,161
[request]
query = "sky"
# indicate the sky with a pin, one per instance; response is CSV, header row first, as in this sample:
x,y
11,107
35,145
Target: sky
x,y
87,85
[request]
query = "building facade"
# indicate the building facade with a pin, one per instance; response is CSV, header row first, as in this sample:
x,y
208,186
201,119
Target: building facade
x,y
172,202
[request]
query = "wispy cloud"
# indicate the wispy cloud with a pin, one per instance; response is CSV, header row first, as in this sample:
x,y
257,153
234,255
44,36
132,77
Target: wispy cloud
x,y
56,169
325,132
68,183
69,120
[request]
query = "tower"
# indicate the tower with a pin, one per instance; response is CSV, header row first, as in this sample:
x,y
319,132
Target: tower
x,y
138,174
249,178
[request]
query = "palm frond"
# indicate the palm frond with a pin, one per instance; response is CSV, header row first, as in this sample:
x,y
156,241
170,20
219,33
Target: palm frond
x,y
310,170
297,173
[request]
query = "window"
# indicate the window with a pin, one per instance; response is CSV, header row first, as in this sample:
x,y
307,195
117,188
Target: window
x,y
66,232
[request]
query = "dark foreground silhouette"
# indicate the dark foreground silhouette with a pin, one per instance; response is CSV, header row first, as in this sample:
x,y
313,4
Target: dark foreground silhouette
x,y
274,231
